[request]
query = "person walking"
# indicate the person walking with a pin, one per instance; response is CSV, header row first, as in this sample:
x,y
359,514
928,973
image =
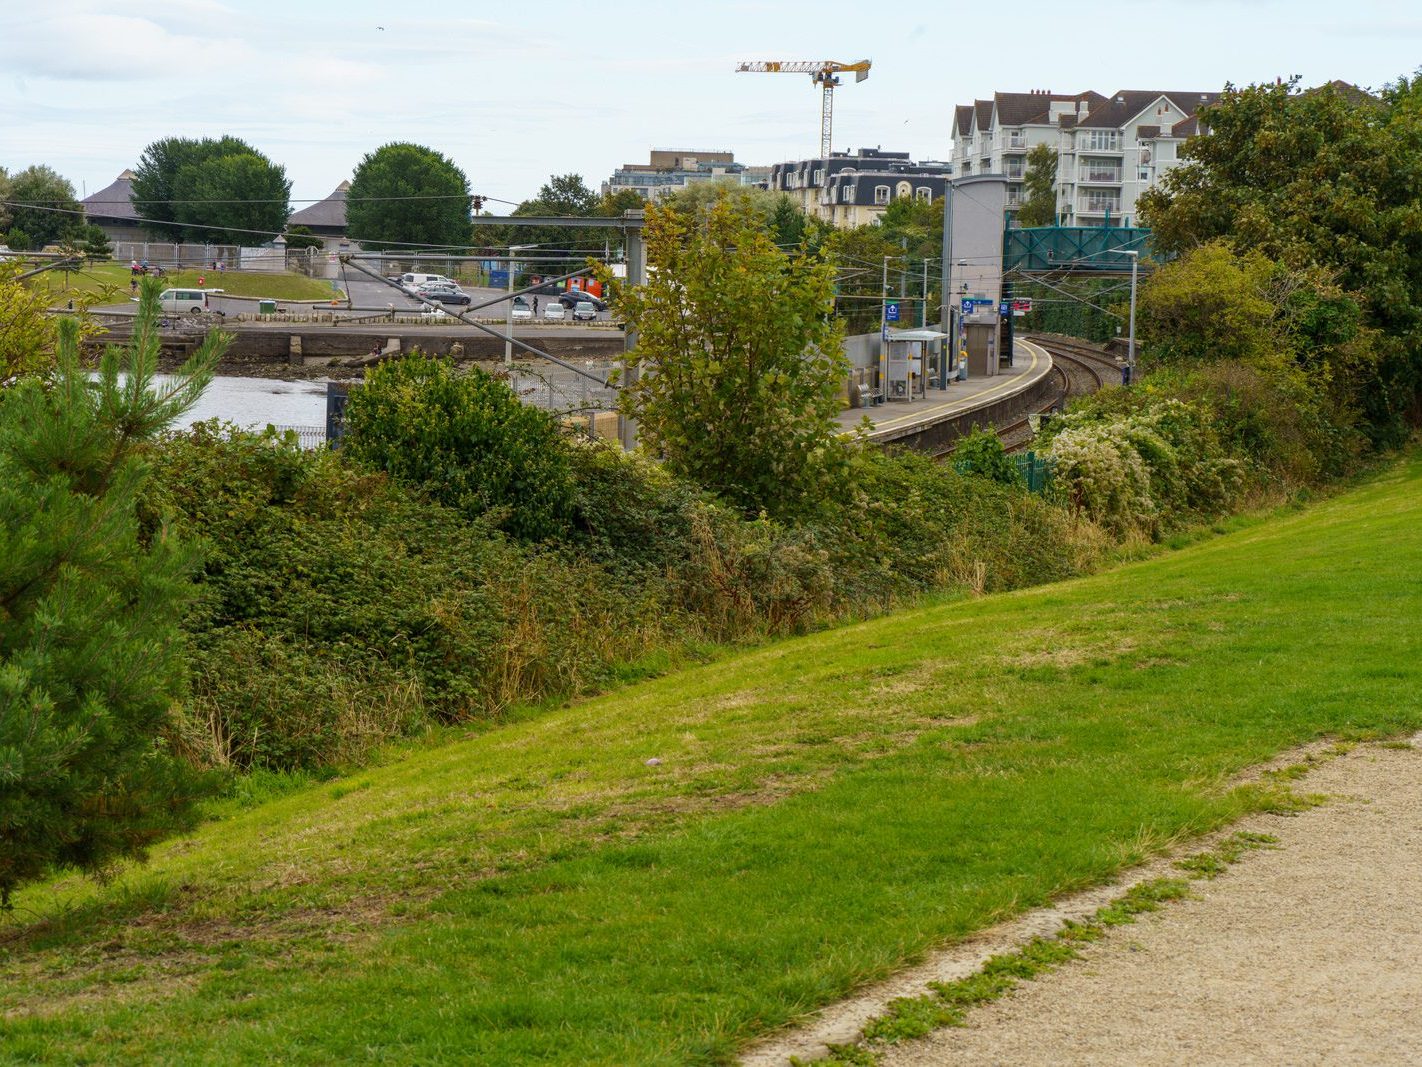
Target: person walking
x,y
535,307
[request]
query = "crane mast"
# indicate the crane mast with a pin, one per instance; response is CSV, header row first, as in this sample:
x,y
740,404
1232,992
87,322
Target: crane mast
x,y
824,73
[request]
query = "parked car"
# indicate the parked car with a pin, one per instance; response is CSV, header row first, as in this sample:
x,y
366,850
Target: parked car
x,y
521,310
570,298
555,311
179,301
584,311
447,296
414,281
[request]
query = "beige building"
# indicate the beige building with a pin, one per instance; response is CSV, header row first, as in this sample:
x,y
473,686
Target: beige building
x,y
854,188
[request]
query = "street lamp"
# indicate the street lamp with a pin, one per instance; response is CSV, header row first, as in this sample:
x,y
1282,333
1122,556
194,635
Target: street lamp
x,y
1131,339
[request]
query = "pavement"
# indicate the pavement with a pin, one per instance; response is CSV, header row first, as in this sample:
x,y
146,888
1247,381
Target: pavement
x,y
1303,953
1032,363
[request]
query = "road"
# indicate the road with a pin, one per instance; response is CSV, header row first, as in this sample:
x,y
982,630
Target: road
x,y
369,295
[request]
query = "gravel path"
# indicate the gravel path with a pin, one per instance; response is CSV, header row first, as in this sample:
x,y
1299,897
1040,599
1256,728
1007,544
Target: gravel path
x,y
1308,953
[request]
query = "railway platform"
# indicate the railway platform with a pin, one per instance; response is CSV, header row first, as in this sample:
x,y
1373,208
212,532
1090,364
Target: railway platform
x,y
933,423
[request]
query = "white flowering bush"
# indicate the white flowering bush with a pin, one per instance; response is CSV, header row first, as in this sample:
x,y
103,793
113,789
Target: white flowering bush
x,y
1102,475
1142,469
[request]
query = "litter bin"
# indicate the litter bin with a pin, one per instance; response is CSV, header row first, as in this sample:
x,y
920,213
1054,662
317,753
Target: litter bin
x,y
266,307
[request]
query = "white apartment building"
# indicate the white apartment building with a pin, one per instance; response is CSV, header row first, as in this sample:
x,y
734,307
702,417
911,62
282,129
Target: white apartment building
x,y
1110,149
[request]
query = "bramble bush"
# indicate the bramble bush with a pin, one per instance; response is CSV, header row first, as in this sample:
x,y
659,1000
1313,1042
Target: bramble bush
x,y
465,439
981,453
337,609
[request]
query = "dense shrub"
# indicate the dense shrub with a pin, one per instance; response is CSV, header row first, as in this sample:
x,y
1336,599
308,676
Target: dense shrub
x,y
465,439
981,453
1140,471
337,609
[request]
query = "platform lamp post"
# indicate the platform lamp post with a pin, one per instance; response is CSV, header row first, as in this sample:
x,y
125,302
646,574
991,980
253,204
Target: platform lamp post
x,y
1131,336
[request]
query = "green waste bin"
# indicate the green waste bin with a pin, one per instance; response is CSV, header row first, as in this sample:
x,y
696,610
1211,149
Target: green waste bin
x,y
266,307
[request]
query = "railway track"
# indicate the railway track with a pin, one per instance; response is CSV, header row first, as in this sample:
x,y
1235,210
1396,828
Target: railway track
x,y
1080,369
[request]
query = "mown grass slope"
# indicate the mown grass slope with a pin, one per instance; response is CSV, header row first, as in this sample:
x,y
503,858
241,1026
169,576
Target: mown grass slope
x,y
110,281
822,810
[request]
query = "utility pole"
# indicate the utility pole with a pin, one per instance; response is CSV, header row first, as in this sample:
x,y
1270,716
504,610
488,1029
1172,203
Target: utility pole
x,y
1131,337
923,305
884,331
950,343
508,322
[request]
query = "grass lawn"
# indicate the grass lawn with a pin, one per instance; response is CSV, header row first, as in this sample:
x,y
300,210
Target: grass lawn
x,y
824,810
109,282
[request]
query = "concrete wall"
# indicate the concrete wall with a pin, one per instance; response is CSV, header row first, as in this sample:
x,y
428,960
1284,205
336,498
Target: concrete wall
x,y
976,268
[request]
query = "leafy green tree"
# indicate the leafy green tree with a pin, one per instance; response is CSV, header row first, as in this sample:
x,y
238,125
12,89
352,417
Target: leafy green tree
x,y
17,240
1039,202
234,198
1329,178
91,661
565,195
27,332
302,237
916,227
858,256
4,196
156,178
741,360
95,244
467,440
981,454
50,211
614,204
407,194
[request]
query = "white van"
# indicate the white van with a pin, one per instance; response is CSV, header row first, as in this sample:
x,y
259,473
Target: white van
x,y
183,301
414,281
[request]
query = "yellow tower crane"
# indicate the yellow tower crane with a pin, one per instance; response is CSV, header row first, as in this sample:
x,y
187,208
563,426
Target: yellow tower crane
x,y
824,73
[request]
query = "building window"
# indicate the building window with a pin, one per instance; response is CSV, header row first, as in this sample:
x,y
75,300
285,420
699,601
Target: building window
x,y
924,193
1100,201
1014,195
881,194
846,194
903,189
1014,166
1016,139
820,176
1100,170
1101,140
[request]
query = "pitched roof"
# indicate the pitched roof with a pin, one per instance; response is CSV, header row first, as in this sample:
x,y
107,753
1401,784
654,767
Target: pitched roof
x,y
1022,109
963,118
983,113
329,213
114,201
1128,103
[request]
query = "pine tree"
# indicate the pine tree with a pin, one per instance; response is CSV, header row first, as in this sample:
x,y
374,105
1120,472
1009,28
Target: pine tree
x,y
90,652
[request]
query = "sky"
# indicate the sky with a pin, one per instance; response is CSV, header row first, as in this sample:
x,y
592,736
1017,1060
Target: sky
x,y
514,93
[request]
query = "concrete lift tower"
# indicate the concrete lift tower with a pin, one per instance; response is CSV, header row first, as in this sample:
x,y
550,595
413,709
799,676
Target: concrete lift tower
x,y
824,73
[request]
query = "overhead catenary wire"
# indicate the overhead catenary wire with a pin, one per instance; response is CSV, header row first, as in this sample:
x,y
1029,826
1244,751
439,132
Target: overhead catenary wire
x,y
270,234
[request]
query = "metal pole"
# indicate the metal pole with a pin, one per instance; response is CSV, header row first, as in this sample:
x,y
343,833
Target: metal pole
x,y
636,256
950,344
923,305
884,332
508,319
1131,341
